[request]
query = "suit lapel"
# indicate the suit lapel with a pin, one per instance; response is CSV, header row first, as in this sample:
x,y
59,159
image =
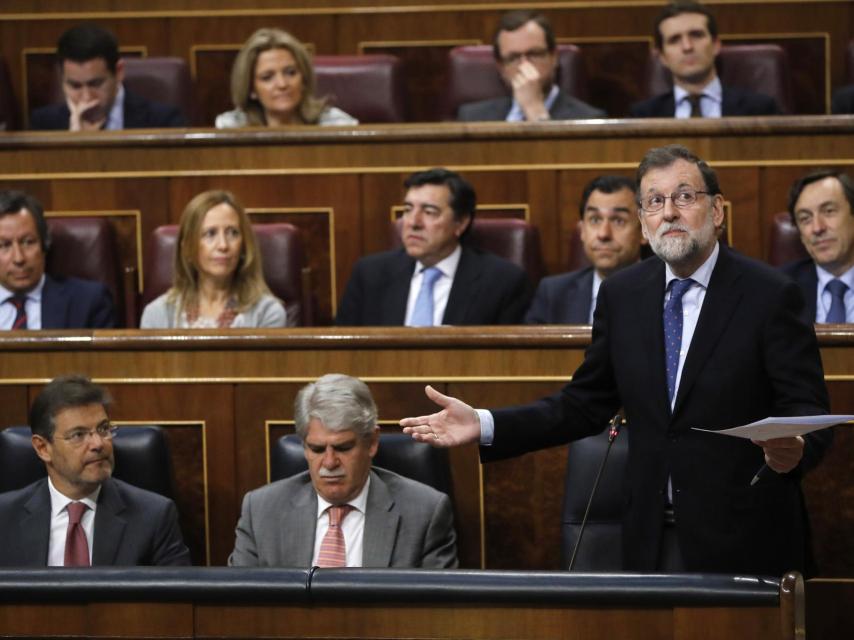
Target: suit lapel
x,y
396,295
729,103
381,525
808,280
55,304
297,524
722,299
650,312
579,299
465,279
35,528
109,525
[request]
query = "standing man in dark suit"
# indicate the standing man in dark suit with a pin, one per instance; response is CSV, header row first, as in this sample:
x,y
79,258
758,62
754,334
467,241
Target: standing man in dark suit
x,y
342,512
79,515
822,207
436,278
31,299
701,337
95,97
525,53
687,43
612,238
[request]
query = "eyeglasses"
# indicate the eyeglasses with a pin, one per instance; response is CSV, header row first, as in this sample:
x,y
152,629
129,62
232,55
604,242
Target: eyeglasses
x,y
681,199
534,55
77,437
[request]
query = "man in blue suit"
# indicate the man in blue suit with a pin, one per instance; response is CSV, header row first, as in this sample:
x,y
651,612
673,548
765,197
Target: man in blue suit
x,y
611,235
687,43
29,298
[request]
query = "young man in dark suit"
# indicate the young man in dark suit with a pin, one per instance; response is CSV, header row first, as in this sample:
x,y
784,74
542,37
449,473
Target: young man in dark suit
x,y
79,515
436,278
687,43
699,337
612,239
95,97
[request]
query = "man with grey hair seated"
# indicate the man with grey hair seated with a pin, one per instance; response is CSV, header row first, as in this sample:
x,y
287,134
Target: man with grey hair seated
x,y
341,512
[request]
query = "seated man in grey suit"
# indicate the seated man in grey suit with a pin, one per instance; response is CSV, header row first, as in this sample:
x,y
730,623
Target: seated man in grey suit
x,y
822,207
612,238
525,52
687,43
79,515
437,277
31,299
341,512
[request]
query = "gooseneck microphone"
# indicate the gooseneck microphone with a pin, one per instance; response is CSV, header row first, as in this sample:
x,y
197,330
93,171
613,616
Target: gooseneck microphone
x,y
613,430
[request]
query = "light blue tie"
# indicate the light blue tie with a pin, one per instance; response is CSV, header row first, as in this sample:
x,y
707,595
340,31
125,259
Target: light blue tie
x,y
422,314
837,290
673,332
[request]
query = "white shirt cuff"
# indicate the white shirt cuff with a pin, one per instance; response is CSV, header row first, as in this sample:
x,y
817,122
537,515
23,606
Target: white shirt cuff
x,y
487,427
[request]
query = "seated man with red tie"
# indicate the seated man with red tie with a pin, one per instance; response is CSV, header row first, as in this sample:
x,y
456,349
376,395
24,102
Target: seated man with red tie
x,y
31,299
437,278
342,512
79,515
687,43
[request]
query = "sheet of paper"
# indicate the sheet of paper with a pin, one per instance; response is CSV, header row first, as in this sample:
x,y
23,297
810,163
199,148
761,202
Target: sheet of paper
x,y
788,427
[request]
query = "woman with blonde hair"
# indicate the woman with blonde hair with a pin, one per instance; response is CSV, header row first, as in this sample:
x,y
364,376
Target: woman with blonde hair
x,y
272,85
218,279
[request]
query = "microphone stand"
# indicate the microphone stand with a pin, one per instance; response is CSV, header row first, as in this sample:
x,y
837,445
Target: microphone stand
x,y
613,430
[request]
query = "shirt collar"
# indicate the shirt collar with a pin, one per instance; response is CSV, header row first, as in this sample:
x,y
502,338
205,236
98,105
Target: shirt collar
x,y
34,294
824,276
713,91
448,266
517,115
116,118
701,276
360,502
59,501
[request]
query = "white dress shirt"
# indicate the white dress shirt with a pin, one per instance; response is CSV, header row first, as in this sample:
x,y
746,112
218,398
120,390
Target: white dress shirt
x,y
33,306
353,527
517,115
441,288
823,297
59,523
710,103
116,116
597,282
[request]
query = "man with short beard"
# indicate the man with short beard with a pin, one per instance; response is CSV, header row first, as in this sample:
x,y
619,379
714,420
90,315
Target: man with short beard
x,y
701,337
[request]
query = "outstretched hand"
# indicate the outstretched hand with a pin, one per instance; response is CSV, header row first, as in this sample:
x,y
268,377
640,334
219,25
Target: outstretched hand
x,y
457,423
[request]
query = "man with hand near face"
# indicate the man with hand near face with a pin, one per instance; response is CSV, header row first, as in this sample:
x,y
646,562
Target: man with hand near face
x,y
525,53
436,278
687,43
612,239
95,98
822,207
79,515
342,512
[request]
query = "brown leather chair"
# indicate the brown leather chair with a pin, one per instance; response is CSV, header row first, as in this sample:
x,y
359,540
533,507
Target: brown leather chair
x,y
281,256
8,106
85,247
763,68
368,87
473,76
784,241
163,80
512,239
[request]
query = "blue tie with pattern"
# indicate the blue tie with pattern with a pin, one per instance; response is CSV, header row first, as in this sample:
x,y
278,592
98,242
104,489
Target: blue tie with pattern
x,y
673,332
837,290
422,314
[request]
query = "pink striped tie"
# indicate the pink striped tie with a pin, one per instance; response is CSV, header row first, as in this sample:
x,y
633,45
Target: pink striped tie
x,y
333,552
76,546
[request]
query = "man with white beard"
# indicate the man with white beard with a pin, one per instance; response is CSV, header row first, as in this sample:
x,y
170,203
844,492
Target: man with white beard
x,y
701,337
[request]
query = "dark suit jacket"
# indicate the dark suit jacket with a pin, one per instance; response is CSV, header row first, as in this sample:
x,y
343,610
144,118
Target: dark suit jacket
x,y
565,107
132,527
843,100
486,290
734,102
563,299
803,272
72,303
407,524
752,356
139,113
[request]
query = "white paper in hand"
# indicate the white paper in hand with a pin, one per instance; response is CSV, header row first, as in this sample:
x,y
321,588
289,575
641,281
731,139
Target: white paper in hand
x,y
769,428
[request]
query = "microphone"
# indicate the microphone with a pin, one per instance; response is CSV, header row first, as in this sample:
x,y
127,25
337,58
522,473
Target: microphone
x,y
613,431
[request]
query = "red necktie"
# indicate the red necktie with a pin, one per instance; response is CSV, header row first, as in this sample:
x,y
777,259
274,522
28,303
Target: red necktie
x,y
76,547
333,552
19,301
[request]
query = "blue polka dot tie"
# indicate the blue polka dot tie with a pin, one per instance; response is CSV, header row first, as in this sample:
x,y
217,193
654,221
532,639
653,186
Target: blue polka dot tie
x,y
673,332
837,290
422,314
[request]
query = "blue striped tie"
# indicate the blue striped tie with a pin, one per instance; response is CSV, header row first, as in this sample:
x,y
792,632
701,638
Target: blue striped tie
x,y
673,332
